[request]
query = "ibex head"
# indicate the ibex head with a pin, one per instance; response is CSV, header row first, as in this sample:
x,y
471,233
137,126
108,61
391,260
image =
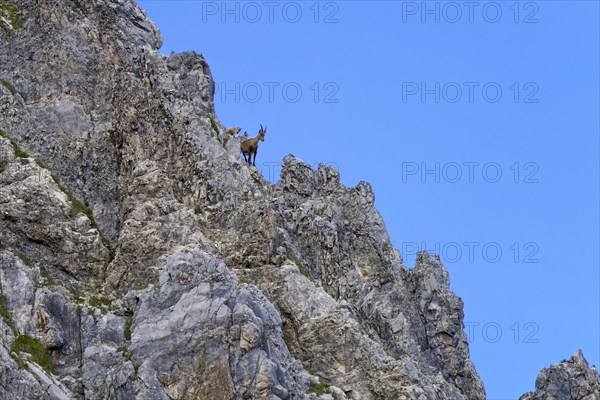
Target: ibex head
x,y
262,132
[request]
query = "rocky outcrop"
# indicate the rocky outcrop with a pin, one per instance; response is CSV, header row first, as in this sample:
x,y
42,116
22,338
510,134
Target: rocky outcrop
x,y
140,258
571,379
41,222
196,333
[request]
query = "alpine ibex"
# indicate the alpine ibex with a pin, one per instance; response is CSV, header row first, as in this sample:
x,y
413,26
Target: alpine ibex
x,y
250,146
233,130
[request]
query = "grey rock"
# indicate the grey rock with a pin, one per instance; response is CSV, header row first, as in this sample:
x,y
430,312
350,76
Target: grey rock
x,y
106,373
57,325
40,223
17,284
218,339
52,388
98,328
570,379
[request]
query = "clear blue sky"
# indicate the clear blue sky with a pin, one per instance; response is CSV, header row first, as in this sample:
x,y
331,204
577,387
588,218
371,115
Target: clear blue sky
x,y
477,127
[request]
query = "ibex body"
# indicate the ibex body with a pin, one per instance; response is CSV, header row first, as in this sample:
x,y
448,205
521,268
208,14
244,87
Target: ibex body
x,y
233,130
249,146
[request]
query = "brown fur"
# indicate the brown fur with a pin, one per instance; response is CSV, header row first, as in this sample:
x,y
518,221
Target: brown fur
x,y
249,146
233,131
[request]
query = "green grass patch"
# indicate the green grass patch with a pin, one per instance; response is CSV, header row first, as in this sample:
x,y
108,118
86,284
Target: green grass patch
x,y
5,314
100,302
77,298
11,16
243,281
39,354
111,249
7,85
112,138
41,163
127,328
18,152
303,270
124,352
47,281
76,205
57,181
25,260
318,388
213,124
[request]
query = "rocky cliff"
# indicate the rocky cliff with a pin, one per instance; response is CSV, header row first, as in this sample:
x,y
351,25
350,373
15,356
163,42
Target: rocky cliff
x,y
569,379
141,259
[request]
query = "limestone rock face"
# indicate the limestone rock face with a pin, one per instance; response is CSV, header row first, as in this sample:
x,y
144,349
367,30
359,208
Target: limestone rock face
x,y
571,379
213,334
40,223
140,258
